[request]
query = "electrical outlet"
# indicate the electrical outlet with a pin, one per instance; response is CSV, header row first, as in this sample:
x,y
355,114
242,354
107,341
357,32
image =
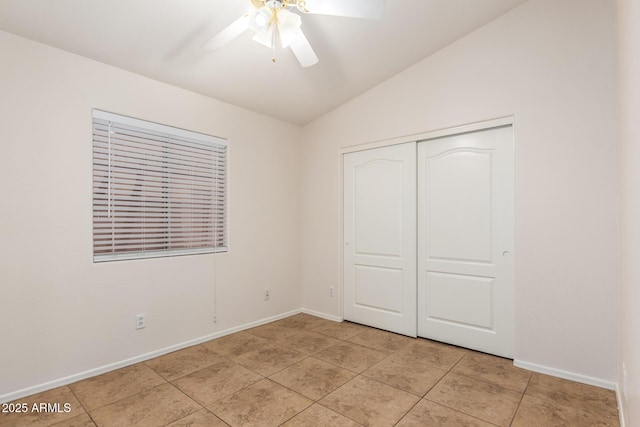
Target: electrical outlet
x,y
140,321
215,319
267,295
624,381
332,291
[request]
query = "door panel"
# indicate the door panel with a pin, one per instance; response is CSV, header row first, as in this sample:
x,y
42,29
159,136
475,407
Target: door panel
x,y
377,204
376,288
465,240
460,299
380,237
458,216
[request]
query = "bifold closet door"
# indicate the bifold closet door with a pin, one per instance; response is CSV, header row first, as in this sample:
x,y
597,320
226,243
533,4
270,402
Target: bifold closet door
x,y
380,238
465,240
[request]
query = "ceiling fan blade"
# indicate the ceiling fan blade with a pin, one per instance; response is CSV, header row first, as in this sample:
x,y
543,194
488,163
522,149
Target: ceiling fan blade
x,y
366,9
289,27
225,36
303,51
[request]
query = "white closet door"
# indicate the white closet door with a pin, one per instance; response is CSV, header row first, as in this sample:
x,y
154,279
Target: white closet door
x,y
465,240
380,238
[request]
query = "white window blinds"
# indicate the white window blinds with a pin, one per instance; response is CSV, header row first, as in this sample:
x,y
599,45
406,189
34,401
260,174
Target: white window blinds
x,y
157,190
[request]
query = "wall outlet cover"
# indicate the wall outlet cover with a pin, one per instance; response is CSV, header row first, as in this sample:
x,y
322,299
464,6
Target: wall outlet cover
x,y
140,322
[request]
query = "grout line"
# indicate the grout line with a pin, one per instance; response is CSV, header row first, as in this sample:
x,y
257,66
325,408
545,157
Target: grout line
x,y
81,404
487,382
191,399
212,413
459,411
448,371
124,398
409,410
444,406
521,398
339,413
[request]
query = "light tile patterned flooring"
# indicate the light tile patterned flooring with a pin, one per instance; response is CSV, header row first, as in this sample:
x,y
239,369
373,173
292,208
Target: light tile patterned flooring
x,y
307,371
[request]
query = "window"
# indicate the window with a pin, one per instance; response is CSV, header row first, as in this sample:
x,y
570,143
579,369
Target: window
x,y
157,190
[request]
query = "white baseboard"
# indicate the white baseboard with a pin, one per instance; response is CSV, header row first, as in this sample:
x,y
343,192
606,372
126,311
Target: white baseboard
x,y
565,374
324,316
8,397
620,406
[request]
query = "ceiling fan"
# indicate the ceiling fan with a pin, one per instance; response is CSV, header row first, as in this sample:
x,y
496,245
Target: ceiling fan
x,y
273,21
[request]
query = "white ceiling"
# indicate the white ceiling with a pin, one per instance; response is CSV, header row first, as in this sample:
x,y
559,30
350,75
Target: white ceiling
x,y
162,39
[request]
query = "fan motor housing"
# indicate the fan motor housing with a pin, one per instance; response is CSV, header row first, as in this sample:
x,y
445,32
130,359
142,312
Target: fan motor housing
x,y
274,4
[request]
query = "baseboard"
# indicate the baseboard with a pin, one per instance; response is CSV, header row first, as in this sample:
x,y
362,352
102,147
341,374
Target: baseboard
x,y
324,316
565,374
8,397
620,406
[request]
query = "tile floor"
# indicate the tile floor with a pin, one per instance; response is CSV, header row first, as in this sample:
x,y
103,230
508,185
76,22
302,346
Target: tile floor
x,y
307,371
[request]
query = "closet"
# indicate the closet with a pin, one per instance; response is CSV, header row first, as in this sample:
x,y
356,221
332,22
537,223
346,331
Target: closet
x,y
428,238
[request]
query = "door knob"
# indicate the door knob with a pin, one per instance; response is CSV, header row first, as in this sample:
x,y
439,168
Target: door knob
x,y
506,254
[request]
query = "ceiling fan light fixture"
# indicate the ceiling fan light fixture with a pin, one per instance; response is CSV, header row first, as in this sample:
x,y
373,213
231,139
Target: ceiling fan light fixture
x,y
265,37
259,19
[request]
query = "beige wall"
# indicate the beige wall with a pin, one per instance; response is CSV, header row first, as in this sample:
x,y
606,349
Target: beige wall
x,y
63,315
629,54
551,64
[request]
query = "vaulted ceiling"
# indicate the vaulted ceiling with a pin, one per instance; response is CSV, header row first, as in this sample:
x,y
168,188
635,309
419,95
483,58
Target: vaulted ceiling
x,y
163,39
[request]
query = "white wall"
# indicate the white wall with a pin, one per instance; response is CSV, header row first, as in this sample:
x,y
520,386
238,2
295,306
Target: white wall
x,y
629,57
61,314
551,63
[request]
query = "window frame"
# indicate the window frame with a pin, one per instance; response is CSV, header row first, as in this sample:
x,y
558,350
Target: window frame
x,y
217,200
